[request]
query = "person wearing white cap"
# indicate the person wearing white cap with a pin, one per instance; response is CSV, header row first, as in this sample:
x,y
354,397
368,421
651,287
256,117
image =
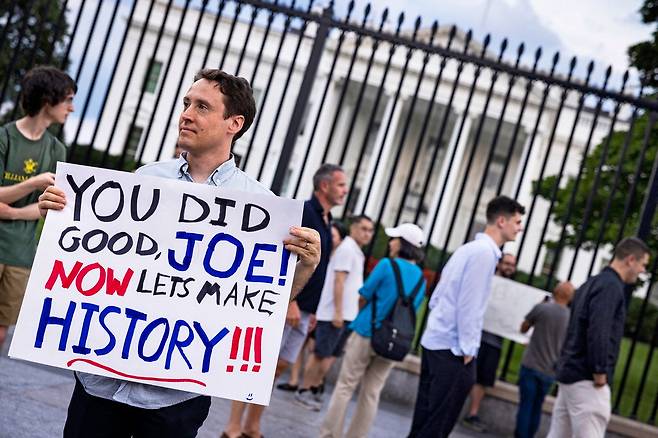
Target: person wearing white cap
x,y
454,325
360,362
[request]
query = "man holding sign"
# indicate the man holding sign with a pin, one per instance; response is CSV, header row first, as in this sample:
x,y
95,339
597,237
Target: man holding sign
x,y
217,109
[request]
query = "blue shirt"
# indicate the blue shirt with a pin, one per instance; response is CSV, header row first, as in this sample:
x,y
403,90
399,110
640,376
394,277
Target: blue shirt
x,y
309,298
381,281
459,301
141,395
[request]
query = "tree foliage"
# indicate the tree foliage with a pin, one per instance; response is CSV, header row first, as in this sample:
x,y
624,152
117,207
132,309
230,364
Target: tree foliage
x,y
644,55
571,213
32,32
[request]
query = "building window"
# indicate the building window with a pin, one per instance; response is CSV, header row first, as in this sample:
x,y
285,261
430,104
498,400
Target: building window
x,y
132,143
152,76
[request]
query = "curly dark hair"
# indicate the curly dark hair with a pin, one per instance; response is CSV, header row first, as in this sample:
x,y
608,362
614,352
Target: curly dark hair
x,y
238,96
44,85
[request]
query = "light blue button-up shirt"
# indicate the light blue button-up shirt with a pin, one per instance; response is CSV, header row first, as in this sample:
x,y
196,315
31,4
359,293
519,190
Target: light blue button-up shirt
x,y
459,301
141,395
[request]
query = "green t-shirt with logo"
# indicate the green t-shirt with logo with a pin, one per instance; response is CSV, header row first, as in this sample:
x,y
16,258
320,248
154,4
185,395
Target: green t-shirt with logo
x,y
20,159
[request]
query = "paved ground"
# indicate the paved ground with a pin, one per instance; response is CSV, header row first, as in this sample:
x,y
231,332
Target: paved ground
x,y
34,400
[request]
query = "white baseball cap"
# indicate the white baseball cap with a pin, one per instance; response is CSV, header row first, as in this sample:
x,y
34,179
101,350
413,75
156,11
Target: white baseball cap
x,y
412,233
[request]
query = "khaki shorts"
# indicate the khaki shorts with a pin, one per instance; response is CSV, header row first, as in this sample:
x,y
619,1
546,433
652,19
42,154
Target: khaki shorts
x,y
13,280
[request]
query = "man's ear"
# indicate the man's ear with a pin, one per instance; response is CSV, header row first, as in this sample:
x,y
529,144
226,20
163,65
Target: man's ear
x,y
237,122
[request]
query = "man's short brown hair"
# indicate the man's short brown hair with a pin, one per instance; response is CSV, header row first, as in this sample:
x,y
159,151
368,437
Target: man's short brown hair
x,y
238,96
44,85
631,246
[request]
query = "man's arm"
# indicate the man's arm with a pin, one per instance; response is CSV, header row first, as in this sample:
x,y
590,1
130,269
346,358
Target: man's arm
x,y
601,310
525,326
470,302
530,319
305,243
339,287
27,213
14,192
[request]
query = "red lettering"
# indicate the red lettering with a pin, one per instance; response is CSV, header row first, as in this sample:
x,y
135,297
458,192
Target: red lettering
x,y
95,288
58,271
115,286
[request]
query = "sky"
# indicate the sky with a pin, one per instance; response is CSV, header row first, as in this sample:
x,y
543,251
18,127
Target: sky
x,y
591,30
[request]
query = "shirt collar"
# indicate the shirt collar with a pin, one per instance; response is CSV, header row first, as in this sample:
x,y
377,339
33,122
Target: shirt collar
x,y
315,203
492,243
217,177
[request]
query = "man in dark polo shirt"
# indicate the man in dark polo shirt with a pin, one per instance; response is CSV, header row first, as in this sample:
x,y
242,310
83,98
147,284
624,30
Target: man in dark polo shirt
x,y
589,354
329,190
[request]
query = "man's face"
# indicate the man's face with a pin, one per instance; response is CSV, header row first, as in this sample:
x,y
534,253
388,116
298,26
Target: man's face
x,y
59,113
201,125
506,266
510,226
335,189
362,232
636,266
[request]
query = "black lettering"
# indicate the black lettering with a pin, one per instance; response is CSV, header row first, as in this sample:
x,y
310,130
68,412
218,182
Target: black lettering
x,y
140,285
115,238
248,296
208,289
233,294
93,233
246,219
134,200
263,300
97,193
78,190
200,202
140,245
156,288
223,203
76,240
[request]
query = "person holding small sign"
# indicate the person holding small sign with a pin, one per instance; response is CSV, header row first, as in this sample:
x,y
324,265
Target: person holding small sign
x,y
217,110
28,156
454,325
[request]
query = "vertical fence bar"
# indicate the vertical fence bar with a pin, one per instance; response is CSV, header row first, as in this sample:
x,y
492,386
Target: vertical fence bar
x,y
622,384
494,140
65,60
540,112
474,147
110,82
128,81
341,39
181,77
211,39
396,160
407,124
579,175
382,86
302,100
589,207
170,59
284,93
517,128
92,84
238,9
142,92
61,19
254,14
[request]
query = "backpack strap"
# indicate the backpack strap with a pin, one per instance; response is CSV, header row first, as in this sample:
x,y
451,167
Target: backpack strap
x,y
398,278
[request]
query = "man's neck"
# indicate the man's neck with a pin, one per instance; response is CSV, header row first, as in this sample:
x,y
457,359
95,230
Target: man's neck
x,y
33,128
619,269
203,165
324,202
495,235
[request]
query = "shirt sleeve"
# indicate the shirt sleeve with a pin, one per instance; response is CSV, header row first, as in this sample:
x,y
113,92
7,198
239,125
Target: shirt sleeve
x,y
420,296
470,303
375,279
602,306
342,259
534,314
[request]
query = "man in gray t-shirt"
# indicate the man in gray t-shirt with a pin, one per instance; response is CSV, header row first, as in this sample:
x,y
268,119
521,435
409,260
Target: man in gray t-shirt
x,y
550,320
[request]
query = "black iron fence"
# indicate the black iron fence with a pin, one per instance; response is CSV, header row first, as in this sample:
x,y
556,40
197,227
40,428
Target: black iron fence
x,y
428,122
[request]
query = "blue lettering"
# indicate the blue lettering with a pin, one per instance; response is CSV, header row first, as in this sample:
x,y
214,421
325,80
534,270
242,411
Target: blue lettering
x,y
257,263
113,340
145,334
209,344
189,250
239,255
46,320
180,344
134,316
82,348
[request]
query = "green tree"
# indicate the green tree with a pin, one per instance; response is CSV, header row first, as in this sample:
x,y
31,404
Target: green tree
x,y
571,213
32,32
644,55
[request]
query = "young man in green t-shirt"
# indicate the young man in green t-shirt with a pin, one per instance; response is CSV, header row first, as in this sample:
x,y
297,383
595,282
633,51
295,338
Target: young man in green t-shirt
x,y
28,156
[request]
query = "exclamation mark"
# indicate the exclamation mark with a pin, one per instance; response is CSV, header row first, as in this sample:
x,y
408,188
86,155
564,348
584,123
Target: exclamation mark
x,y
257,344
247,348
234,348
285,257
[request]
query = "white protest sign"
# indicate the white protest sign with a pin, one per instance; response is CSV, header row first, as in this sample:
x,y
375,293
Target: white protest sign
x,y
509,303
163,282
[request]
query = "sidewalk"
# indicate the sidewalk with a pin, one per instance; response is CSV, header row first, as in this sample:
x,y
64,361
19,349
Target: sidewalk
x,y
34,399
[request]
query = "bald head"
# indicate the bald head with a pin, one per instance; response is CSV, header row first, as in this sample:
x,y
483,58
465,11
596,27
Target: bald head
x,y
563,292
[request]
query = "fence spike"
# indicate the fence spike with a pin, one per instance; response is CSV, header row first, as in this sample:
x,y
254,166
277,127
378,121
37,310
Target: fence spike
x,y
366,12
350,6
487,40
384,15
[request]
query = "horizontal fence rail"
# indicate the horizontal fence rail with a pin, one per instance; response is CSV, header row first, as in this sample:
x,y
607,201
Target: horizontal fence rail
x,y
428,122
